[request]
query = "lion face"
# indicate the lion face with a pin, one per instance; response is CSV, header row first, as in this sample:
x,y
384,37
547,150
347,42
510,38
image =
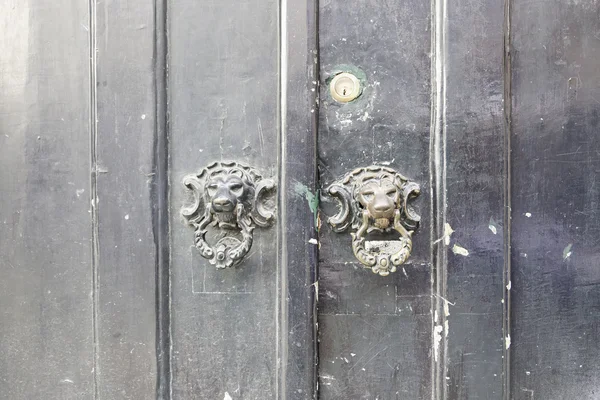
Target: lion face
x,y
379,197
226,190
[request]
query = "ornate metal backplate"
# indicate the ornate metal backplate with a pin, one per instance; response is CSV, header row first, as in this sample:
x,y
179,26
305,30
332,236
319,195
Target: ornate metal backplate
x,y
230,197
376,199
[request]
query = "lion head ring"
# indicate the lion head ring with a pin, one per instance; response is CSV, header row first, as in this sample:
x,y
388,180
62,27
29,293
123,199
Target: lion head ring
x,y
231,197
376,199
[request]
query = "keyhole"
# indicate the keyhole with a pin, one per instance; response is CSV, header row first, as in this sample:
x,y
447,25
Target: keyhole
x,y
344,87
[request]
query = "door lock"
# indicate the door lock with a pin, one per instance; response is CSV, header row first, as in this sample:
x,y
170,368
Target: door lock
x,y
344,87
376,199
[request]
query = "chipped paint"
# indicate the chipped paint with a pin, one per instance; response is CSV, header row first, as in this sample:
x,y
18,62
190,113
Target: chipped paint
x,y
567,251
313,241
509,286
437,334
528,215
311,198
458,249
507,342
448,231
493,226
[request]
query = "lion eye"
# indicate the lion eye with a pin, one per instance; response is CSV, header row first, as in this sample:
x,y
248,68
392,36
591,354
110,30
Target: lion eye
x,y
391,193
236,186
368,195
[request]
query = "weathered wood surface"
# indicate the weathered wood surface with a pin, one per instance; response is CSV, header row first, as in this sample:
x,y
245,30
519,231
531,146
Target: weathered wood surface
x,y
555,252
473,140
125,170
46,323
375,332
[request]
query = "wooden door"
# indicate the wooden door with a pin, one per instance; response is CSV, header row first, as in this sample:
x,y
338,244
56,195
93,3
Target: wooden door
x,y
127,274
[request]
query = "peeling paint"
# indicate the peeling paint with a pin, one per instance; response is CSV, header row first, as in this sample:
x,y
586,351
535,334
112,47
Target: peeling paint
x,y
448,231
567,251
493,226
437,334
458,249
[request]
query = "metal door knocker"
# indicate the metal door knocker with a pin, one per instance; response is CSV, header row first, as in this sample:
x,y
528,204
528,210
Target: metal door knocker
x,y
375,199
232,197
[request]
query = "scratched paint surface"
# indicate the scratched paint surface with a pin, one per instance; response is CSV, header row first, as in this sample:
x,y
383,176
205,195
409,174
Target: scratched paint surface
x,y
384,322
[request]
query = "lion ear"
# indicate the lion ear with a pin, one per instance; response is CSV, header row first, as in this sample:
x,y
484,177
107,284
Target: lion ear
x,y
263,212
410,190
343,219
195,185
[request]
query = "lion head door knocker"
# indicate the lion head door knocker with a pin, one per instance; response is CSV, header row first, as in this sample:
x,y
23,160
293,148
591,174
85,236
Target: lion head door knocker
x,y
231,198
375,200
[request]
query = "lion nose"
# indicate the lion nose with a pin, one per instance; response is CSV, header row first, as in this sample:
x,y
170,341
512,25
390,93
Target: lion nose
x,y
222,201
381,207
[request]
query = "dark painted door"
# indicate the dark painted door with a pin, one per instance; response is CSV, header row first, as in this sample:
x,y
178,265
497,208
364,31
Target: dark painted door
x,y
215,199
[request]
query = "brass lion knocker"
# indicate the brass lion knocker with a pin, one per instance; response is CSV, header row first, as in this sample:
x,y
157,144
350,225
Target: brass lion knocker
x,y
376,199
232,197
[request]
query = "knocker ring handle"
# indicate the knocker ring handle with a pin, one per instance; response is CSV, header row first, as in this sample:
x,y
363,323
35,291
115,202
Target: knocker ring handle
x,y
376,198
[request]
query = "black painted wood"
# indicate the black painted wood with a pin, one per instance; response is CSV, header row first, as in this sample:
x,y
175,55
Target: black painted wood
x,y
473,154
46,317
555,164
124,165
298,202
492,107
374,332
223,105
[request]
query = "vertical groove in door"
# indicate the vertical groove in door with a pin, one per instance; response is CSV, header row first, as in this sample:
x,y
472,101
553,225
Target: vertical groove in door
x,y
94,187
507,198
296,370
439,304
160,208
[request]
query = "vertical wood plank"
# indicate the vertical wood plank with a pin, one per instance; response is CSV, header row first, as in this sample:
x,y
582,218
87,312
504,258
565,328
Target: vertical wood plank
x,y
46,346
298,199
474,201
555,288
223,105
125,169
375,332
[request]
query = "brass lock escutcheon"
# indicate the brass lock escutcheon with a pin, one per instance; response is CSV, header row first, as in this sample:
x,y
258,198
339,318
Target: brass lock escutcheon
x,y
233,199
375,199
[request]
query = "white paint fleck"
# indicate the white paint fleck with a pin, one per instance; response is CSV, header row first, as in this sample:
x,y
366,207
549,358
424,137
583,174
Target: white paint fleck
x,y
493,226
527,373
352,354
67,380
365,117
509,286
507,341
437,332
502,301
79,192
528,215
458,249
567,251
313,241
143,116
126,216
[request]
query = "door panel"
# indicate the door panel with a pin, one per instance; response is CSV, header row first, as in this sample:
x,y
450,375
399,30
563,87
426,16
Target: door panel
x,y
555,223
491,107
47,336
124,174
222,90
375,332
471,139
